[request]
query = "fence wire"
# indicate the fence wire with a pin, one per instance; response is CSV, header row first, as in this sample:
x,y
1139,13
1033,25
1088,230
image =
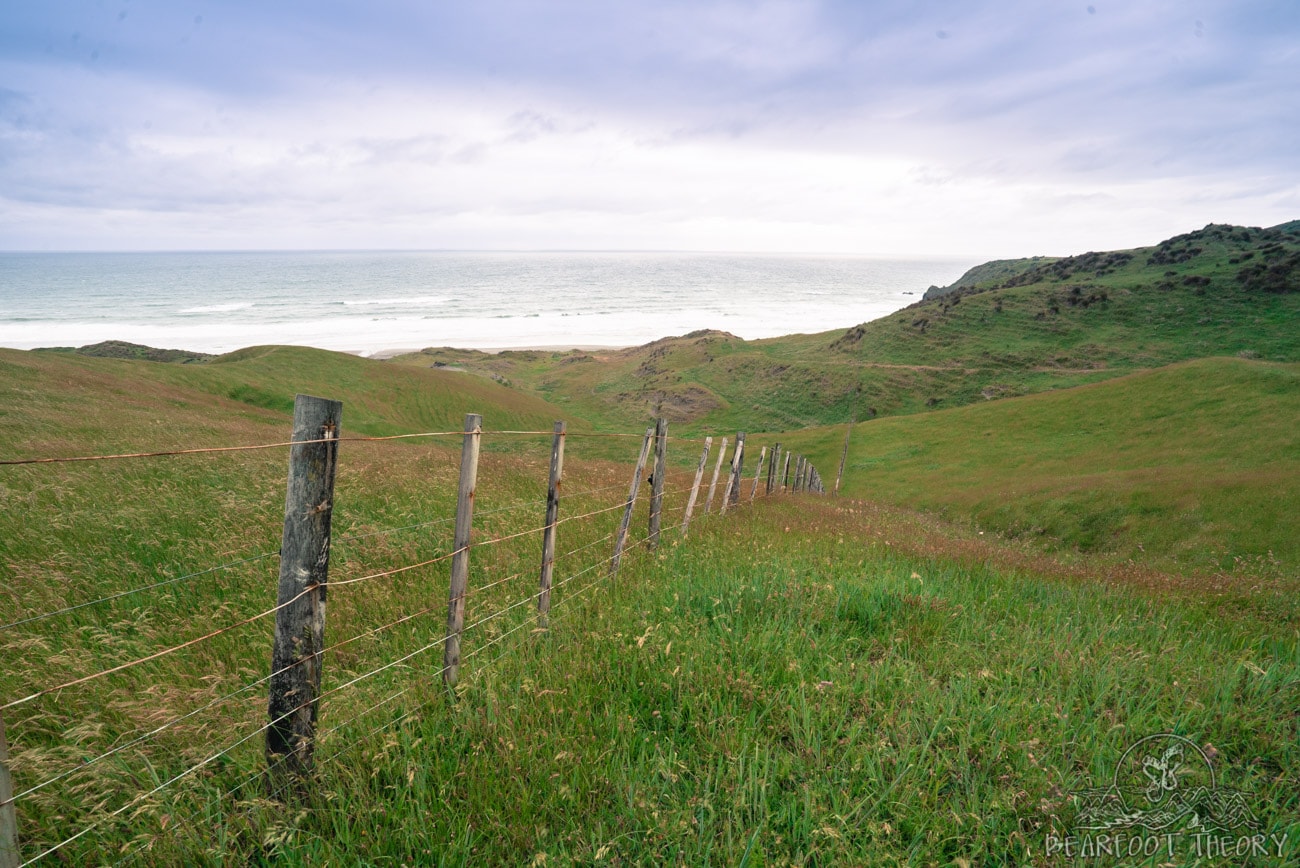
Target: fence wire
x,y
674,482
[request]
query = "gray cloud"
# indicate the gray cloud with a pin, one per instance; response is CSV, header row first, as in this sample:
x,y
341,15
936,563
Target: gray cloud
x,y
201,106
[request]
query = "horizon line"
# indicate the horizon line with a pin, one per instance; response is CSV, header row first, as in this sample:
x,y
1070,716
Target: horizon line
x,y
493,250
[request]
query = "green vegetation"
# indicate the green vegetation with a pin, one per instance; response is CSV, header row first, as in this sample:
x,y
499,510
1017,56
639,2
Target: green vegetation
x,y
54,403
922,678
126,350
807,683
1023,327
1185,467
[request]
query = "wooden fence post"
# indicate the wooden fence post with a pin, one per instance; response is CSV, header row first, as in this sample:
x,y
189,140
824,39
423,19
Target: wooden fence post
x,y
657,483
304,575
844,456
758,473
695,486
732,493
460,548
9,857
621,540
798,473
552,515
772,467
713,486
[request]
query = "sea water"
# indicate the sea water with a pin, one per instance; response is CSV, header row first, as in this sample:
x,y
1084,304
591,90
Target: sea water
x,y
370,302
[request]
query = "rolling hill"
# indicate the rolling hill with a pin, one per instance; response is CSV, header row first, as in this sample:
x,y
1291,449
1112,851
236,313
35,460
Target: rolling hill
x,y
1007,328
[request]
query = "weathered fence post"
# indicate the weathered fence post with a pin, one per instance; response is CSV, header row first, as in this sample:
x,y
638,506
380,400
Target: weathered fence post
x,y
657,483
460,548
798,474
552,515
772,467
785,473
9,857
732,493
713,486
844,456
621,539
695,486
758,473
304,575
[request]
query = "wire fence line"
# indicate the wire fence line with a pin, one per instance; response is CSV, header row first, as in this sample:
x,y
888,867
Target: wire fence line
x,y
300,608
277,789
211,450
229,565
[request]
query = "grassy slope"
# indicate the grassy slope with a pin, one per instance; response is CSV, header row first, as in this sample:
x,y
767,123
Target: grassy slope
x,y
72,533
1051,329
969,685
48,396
821,684
1190,466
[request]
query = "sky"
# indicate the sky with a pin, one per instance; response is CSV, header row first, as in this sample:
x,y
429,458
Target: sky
x,y
881,128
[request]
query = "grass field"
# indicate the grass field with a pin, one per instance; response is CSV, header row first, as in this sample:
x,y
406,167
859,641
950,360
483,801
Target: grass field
x,y
812,682
1189,467
924,671
806,682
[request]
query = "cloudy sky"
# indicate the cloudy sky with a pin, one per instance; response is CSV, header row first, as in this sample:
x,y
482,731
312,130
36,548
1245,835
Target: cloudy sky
x,y
880,127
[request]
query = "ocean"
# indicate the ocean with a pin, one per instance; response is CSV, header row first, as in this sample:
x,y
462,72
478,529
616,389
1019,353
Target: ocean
x,y
377,302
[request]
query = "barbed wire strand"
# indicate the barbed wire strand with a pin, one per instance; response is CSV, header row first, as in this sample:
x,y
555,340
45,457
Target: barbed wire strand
x,y
221,699
121,594
208,450
159,654
339,726
231,564
347,684
334,583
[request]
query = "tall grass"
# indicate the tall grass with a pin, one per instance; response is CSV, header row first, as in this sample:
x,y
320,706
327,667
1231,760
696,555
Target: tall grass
x,y
803,682
787,689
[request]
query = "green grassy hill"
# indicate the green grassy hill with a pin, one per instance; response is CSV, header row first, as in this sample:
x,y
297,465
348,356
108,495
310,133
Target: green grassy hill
x,y
1194,466
50,401
807,681
1031,326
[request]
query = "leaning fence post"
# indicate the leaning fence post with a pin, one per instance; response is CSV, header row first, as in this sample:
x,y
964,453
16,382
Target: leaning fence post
x,y
732,493
713,486
772,466
304,575
695,486
621,540
552,515
758,473
460,547
657,483
9,857
785,473
798,474
844,456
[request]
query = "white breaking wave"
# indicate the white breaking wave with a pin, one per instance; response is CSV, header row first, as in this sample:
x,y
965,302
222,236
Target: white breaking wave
x,y
418,301
354,302
220,308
